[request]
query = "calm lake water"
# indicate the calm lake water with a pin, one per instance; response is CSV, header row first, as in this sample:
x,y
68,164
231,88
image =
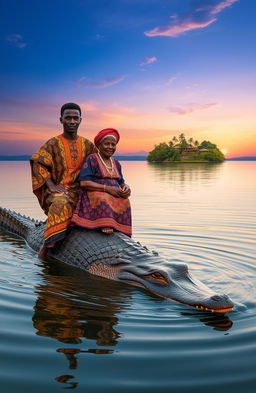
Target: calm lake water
x,y
64,329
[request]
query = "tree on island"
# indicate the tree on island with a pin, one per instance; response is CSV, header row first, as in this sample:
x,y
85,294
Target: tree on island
x,y
179,149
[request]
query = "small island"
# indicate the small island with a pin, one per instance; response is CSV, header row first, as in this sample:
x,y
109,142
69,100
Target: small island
x,y
181,150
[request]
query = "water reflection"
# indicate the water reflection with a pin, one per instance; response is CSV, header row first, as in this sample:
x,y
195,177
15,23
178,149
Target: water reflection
x,y
65,379
185,172
202,214
218,321
15,241
72,307
82,312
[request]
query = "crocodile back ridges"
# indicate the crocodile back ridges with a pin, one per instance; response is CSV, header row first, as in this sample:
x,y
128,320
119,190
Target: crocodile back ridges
x,y
83,248
16,223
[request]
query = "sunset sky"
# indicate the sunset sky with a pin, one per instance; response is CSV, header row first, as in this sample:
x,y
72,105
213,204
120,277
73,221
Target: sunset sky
x,y
150,68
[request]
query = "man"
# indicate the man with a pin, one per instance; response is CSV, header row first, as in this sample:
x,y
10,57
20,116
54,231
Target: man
x,y
55,168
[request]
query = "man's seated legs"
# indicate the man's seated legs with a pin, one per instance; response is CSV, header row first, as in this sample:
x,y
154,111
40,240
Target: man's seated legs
x,y
60,211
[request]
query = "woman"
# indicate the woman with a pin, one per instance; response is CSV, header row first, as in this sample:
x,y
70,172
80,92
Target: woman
x,y
103,202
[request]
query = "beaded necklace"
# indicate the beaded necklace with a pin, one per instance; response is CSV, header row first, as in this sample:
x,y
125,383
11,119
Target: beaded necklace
x,y
110,169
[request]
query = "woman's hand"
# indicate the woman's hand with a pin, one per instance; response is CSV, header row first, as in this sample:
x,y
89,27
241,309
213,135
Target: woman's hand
x,y
125,191
119,192
113,190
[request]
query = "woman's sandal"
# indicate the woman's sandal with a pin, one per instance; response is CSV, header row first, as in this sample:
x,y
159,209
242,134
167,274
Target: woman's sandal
x,y
107,230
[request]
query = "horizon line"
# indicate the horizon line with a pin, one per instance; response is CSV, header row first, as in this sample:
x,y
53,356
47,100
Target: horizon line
x,y
25,157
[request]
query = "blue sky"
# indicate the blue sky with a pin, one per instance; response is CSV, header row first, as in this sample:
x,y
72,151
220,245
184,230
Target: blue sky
x,y
151,68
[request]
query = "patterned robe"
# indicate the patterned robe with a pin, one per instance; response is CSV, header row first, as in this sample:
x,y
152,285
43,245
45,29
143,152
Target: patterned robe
x,y
59,159
97,209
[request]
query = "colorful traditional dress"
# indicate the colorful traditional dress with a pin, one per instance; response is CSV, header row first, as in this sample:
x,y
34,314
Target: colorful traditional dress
x,y
60,160
96,209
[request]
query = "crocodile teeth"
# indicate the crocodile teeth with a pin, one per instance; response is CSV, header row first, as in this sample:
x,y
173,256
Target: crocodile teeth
x,y
205,308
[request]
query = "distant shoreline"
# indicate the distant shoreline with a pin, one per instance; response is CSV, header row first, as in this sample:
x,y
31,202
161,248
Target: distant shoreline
x,y
250,158
123,158
27,157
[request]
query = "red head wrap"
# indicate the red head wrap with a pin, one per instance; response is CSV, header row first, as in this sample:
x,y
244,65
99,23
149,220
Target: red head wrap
x,y
103,133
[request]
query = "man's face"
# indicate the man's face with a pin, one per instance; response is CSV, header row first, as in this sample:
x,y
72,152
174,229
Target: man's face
x,y
70,120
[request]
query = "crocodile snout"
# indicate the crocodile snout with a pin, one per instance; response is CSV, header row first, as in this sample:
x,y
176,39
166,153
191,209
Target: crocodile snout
x,y
217,298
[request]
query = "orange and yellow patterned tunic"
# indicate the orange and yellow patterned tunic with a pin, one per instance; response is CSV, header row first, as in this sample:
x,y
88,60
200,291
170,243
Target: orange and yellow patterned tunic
x,y
59,159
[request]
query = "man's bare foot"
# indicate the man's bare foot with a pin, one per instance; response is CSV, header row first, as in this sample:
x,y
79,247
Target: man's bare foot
x,y
42,252
107,230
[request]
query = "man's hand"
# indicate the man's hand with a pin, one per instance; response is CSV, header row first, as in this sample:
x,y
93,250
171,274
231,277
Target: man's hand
x,y
56,189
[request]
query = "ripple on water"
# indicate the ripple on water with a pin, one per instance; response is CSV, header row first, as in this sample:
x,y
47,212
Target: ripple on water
x,y
215,256
57,321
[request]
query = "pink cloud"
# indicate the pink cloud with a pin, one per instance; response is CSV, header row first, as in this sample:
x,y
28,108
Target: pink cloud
x,y
178,28
101,84
198,18
216,8
148,60
191,108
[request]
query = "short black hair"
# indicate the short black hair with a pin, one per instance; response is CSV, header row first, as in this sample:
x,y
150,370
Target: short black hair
x,y
70,105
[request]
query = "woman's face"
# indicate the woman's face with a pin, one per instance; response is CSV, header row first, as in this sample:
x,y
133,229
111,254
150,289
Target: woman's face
x,y
107,147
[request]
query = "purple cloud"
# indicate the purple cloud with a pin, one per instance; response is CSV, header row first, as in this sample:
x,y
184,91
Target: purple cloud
x,y
104,83
171,79
24,102
148,60
81,81
192,108
5,133
198,18
16,40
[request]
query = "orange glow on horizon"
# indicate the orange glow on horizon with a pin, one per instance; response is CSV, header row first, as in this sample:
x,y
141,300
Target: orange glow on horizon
x,y
140,130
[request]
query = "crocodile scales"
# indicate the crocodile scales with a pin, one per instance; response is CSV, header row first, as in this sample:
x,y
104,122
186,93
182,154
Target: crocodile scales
x,y
120,258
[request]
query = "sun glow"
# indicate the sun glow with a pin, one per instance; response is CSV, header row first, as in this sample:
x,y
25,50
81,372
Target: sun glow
x,y
224,151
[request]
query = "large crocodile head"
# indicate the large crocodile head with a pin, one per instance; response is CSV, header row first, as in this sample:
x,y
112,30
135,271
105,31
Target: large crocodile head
x,y
168,280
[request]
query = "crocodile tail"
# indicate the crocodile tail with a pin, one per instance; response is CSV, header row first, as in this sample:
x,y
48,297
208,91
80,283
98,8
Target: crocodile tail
x,y
16,223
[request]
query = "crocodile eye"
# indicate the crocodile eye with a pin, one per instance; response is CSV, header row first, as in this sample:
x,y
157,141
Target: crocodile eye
x,y
158,277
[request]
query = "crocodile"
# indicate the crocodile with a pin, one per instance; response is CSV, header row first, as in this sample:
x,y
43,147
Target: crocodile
x,y
118,257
